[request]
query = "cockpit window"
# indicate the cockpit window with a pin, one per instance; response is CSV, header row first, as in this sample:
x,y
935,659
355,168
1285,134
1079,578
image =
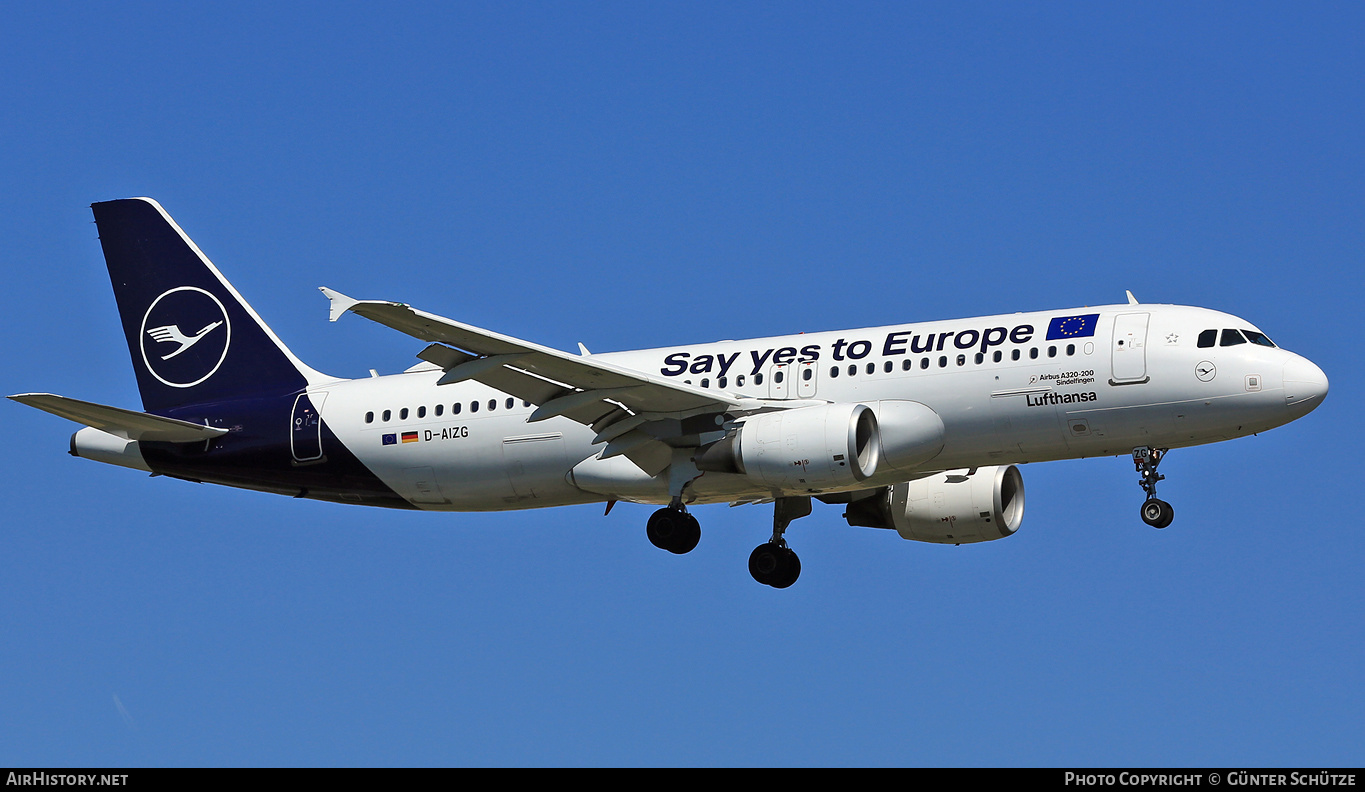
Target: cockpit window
x,y
1208,338
1258,338
1231,338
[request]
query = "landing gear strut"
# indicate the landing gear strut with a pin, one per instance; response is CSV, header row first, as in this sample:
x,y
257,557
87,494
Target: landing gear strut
x,y
673,529
1155,512
773,563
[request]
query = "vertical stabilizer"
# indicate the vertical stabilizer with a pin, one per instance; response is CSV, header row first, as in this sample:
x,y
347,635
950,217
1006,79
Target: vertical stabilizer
x,y
192,337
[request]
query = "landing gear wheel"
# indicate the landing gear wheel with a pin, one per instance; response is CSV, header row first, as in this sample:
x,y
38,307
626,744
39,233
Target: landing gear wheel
x,y
774,565
673,530
1157,513
689,537
788,572
763,562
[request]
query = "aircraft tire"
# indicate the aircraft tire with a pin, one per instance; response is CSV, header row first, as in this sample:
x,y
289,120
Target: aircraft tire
x,y
789,570
687,538
675,531
774,565
764,562
1157,513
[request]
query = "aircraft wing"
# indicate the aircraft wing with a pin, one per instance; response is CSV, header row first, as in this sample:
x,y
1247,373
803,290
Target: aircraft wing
x,y
129,424
618,402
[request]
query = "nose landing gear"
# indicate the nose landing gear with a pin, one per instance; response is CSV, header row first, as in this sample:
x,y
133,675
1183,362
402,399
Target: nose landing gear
x,y
1155,512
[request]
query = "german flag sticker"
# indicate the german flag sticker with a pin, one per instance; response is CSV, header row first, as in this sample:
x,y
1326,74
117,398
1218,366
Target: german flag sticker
x,y
409,437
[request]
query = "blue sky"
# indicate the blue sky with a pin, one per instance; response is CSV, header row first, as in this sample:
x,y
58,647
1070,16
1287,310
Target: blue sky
x,y
631,175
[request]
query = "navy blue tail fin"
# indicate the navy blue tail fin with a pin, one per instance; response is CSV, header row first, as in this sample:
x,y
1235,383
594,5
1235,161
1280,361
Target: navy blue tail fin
x,y
192,337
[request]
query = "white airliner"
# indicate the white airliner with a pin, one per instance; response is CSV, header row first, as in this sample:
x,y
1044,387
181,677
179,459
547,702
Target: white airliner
x,y
916,428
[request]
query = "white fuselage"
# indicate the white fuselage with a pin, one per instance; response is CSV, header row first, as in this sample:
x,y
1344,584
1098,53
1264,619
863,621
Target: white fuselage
x,y
1131,376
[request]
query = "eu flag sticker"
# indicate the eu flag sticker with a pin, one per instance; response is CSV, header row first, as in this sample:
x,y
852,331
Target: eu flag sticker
x,y
390,439
1072,326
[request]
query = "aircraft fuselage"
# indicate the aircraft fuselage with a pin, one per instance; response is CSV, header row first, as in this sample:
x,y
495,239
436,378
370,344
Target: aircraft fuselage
x,y
1006,394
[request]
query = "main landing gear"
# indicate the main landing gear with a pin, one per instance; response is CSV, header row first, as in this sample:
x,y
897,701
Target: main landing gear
x,y
1155,512
773,563
673,529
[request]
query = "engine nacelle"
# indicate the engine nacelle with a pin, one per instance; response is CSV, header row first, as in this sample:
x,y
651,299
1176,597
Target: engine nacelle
x,y
953,507
101,446
803,450
911,433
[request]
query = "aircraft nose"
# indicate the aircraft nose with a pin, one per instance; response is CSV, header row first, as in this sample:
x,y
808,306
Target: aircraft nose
x,y
1305,385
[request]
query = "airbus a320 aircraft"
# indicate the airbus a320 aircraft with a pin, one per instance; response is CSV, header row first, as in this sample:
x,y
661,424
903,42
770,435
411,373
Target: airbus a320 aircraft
x,y
915,428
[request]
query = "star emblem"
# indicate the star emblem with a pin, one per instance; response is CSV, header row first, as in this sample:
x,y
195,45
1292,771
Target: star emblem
x,y
1172,338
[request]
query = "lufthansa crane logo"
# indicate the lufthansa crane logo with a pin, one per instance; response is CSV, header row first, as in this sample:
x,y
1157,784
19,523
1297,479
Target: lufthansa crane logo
x,y
185,336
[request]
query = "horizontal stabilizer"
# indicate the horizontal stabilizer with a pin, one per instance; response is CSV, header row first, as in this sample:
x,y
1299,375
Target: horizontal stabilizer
x,y
120,422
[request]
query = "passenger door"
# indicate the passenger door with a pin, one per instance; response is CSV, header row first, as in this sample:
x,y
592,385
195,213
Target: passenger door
x,y
1129,349
305,428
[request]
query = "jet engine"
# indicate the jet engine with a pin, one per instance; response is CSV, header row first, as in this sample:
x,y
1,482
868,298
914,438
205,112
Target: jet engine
x,y
804,450
911,433
952,507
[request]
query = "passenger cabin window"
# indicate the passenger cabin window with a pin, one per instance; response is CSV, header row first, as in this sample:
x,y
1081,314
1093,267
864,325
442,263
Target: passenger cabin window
x,y
907,364
440,408
510,403
887,368
387,415
369,417
807,373
1070,349
403,414
1231,338
422,411
1208,338
833,372
871,368
492,404
455,408
924,363
758,378
473,406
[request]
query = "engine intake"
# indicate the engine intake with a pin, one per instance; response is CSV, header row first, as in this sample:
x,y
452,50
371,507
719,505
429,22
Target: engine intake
x,y
952,507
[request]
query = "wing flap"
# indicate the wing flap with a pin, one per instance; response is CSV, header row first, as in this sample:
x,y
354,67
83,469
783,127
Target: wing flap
x,y
128,424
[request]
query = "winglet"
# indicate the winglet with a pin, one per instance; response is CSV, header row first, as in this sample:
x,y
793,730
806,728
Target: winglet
x,y
582,350
1131,299
340,302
